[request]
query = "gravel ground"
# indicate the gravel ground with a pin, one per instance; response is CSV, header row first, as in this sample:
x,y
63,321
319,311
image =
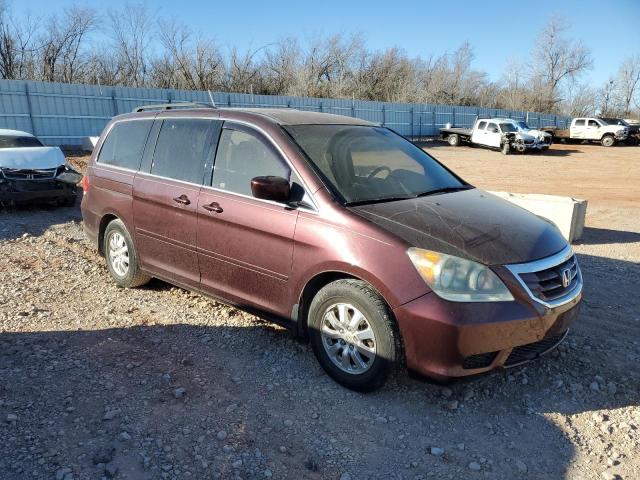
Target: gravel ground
x,y
158,382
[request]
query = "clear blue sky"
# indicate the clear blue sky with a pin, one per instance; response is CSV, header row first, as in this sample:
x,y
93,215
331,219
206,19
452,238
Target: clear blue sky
x,y
497,30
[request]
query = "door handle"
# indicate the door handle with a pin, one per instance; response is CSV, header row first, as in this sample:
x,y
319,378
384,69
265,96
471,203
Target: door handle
x,y
182,199
213,207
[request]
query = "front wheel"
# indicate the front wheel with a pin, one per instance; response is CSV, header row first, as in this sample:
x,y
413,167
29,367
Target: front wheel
x,y
353,334
122,259
608,141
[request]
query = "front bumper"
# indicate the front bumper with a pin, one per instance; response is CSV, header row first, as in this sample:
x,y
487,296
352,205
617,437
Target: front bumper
x,y
446,339
24,191
621,135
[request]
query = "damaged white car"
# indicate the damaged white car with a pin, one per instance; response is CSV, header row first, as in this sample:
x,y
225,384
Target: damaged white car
x,y
502,133
30,171
543,137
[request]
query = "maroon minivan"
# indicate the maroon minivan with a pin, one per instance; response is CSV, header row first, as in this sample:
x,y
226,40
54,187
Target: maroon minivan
x,y
336,227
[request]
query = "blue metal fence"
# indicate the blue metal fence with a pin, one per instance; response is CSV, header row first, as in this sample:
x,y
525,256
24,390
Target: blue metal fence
x,y
63,114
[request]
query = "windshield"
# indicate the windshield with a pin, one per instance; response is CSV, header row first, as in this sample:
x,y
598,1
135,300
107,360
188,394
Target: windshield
x,y
371,164
12,141
508,127
523,125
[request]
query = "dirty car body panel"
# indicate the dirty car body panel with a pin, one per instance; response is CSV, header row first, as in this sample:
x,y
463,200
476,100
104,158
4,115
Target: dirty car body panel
x,y
365,202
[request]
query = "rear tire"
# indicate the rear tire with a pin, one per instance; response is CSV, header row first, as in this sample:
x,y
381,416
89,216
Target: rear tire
x,y
608,141
353,334
454,140
121,256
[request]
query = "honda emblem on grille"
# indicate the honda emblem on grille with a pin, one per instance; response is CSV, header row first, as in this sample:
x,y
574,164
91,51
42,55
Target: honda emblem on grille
x,y
566,277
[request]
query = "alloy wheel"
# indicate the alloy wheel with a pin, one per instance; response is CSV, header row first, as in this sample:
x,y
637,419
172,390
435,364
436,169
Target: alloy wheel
x,y
118,254
348,338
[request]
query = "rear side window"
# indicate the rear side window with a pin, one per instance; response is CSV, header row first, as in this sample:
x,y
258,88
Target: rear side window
x,y
125,143
242,156
182,149
579,123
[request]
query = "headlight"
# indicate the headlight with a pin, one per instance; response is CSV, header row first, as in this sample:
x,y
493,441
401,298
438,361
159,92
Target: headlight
x,y
457,279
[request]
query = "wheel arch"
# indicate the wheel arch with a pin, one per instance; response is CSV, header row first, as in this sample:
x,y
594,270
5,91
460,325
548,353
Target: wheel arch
x,y
314,285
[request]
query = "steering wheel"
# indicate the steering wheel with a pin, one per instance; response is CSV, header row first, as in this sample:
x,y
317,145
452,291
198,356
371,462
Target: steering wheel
x,y
379,169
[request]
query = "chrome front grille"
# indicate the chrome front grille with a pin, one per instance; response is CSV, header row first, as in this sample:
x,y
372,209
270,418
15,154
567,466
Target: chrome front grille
x,y
552,281
28,174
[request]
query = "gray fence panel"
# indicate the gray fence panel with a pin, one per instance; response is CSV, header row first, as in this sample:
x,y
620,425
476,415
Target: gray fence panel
x,y
63,114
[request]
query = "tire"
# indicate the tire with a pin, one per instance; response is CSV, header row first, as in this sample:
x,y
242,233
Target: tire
x,y
373,346
608,141
129,276
505,148
454,140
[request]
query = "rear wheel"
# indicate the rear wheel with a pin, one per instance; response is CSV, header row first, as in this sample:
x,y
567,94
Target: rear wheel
x,y
608,141
353,334
122,259
454,140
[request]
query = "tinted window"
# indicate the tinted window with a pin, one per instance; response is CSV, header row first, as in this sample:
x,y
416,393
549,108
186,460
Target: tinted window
x,y
593,123
242,156
124,145
366,164
10,141
182,149
481,125
579,123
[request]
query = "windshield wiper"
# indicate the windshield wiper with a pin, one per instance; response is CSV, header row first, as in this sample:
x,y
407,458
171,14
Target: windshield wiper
x,y
444,190
377,200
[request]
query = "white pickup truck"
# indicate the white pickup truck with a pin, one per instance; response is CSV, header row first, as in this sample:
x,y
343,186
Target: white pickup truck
x,y
592,129
502,133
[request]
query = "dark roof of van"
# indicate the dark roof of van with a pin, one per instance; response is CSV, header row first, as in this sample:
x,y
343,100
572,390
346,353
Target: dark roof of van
x,y
291,116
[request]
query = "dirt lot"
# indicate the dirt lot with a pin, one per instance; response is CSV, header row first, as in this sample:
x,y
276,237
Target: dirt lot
x,y
158,382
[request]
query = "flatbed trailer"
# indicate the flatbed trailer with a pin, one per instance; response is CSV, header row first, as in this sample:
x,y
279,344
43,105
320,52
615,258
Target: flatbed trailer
x,y
456,136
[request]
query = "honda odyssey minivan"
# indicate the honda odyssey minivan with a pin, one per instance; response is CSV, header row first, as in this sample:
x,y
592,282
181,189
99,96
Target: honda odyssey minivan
x,y
335,227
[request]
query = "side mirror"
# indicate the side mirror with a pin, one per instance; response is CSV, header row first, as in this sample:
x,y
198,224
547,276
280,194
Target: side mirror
x,y
276,189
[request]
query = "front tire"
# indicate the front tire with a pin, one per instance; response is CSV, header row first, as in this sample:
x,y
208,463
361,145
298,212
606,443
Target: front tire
x,y
608,141
353,334
121,256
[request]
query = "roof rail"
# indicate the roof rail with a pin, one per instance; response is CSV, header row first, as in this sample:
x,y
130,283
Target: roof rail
x,y
172,106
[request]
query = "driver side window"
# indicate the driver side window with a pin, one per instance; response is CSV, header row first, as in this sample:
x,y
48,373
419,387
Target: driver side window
x,y
242,156
492,128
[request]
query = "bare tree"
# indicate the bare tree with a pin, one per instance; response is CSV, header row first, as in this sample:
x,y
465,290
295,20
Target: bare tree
x,y
61,43
628,84
606,99
17,46
558,59
187,63
131,30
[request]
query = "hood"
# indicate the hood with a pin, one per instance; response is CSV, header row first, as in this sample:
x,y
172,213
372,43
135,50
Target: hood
x,y
31,158
472,224
525,135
